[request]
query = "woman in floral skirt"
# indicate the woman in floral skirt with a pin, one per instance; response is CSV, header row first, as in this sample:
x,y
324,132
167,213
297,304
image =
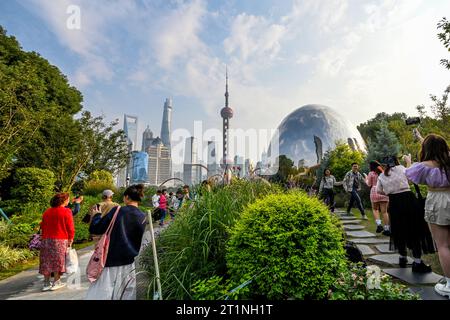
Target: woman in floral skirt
x,y
58,230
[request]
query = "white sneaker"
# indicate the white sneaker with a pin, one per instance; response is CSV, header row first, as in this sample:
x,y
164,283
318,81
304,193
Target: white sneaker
x,y
58,285
442,289
47,287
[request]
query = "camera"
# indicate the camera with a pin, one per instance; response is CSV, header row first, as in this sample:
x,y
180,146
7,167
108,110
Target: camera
x,y
411,121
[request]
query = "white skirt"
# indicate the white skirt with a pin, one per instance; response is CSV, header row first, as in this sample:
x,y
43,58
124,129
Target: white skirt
x,y
115,283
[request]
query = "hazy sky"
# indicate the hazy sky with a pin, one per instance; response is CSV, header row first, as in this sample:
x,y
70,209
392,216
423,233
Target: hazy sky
x,y
358,57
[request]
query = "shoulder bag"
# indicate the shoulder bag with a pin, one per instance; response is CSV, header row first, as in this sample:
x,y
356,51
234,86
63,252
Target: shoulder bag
x,y
98,260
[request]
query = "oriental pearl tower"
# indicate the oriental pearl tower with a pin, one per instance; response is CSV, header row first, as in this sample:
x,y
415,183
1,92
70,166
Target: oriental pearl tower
x,y
226,113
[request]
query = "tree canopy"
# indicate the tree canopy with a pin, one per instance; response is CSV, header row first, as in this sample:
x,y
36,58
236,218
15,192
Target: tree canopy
x,y
41,122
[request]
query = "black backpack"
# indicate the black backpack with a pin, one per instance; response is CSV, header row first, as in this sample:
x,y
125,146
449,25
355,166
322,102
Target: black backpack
x,y
353,253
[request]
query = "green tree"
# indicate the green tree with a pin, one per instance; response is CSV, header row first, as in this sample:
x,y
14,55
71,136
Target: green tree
x,y
341,159
444,36
285,168
33,185
385,144
101,176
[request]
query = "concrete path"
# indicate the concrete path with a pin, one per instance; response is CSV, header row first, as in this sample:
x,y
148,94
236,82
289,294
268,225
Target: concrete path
x,y
27,285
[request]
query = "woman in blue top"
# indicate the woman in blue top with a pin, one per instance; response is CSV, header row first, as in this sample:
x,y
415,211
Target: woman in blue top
x,y
118,278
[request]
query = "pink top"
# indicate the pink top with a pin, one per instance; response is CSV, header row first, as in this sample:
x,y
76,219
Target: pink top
x,y
371,181
163,202
420,173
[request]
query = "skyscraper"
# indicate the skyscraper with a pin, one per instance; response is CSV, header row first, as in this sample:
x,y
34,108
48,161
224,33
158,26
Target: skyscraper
x,y
159,162
140,167
226,113
147,139
190,172
212,164
166,125
130,127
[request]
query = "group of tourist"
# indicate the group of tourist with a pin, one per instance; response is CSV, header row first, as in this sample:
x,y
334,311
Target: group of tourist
x,y
164,202
411,223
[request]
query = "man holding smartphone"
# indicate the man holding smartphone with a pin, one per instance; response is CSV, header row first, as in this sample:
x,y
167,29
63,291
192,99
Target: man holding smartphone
x,y
103,207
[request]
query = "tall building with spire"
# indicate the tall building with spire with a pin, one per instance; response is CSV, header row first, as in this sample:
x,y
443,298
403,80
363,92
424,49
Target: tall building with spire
x,y
226,113
147,139
166,125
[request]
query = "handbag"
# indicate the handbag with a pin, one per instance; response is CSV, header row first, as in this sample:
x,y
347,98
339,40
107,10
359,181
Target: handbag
x,y
35,241
71,261
98,260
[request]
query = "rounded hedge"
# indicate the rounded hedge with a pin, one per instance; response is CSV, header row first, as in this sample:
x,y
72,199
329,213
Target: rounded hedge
x,y
290,245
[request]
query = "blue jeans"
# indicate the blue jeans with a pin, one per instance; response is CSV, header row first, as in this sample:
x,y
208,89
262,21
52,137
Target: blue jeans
x,y
163,216
354,197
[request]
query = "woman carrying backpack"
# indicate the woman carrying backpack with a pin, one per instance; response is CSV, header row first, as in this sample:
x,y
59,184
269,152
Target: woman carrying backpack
x,y
118,278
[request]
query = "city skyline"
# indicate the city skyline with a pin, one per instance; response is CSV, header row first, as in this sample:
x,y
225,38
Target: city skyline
x,y
357,57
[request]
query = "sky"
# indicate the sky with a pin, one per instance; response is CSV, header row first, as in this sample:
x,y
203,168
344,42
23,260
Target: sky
x,y
358,57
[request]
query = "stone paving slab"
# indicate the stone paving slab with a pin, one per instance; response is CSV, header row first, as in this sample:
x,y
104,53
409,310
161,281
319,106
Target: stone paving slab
x,y
384,248
369,240
388,258
353,227
406,275
360,234
365,249
347,217
350,221
427,293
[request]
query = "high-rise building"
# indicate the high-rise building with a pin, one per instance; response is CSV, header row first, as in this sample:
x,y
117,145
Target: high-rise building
x,y
166,125
130,127
247,168
226,113
213,163
239,165
147,139
190,172
159,162
139,167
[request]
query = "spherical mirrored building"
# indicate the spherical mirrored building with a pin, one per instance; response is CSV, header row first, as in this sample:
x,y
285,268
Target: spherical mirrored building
x,y
314,128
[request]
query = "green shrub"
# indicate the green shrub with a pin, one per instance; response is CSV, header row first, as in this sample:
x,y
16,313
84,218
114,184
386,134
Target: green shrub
x,y
290,244
352,285
102,176
33,185
10,207
216,288
18,235
9,256
193,247
95,188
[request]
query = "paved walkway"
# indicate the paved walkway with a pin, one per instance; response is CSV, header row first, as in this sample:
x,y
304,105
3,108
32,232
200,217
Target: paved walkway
x,y
375,249
27,285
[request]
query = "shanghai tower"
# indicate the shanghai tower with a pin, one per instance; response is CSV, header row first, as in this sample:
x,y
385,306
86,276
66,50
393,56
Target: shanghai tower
x,y
166,123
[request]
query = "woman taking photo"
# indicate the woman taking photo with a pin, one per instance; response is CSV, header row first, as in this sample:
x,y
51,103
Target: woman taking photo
x,y
434,171
118,279
408,228
57,230
379,202
327,183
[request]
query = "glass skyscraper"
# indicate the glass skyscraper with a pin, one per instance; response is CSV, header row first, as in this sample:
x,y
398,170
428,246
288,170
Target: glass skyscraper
x,y
140,167
130,124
